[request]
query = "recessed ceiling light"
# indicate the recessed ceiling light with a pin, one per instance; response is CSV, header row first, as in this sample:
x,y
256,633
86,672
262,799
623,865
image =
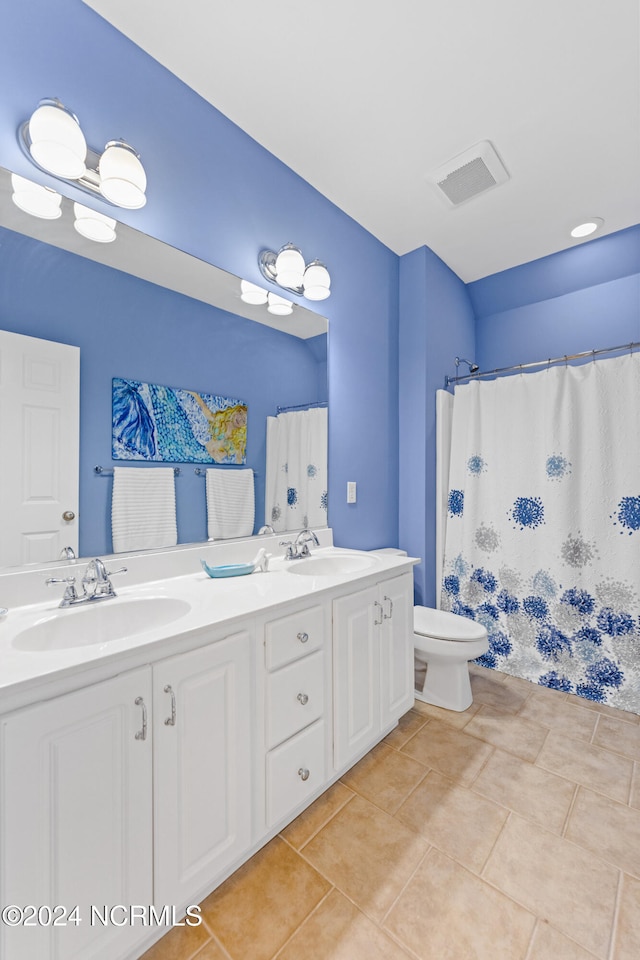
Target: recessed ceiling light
x,y
585,229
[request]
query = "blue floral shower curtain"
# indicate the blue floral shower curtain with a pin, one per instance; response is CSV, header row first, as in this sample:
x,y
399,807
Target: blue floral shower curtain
x,y
296,481
542,541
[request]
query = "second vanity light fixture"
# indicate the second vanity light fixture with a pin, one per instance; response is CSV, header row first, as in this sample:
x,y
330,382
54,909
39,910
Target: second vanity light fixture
x,y
53,140
288,270
43,202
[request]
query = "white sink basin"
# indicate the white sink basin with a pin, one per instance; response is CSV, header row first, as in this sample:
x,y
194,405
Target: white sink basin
x,y
332,566
99,622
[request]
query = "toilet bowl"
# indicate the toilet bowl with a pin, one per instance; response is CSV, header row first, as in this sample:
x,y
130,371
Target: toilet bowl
x,y
445,642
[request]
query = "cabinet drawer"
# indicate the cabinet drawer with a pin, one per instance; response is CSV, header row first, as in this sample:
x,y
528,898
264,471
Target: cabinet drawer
x,y
301,757
295,697
294,636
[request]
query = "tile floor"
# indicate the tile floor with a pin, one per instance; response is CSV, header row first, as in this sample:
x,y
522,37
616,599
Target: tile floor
x,y
508,832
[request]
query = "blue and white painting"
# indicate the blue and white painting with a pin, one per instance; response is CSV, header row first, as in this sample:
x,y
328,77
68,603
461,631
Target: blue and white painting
x,y
542,542
153,422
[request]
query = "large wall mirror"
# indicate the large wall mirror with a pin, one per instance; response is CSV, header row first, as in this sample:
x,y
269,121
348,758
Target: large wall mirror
x,y
141,310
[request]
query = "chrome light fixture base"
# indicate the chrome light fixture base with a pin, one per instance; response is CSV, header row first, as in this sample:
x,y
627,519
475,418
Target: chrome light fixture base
x,y
315,281
267,264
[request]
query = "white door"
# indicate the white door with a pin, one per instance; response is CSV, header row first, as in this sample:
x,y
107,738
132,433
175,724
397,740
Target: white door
x,y
396,648
76,819
202,763
356,673
39,448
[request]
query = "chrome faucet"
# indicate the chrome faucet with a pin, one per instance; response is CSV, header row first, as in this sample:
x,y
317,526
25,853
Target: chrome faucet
x,y
298,549
96,584
267,528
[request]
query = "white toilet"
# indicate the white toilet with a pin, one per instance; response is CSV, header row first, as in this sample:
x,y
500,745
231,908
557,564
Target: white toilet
x,y
445,642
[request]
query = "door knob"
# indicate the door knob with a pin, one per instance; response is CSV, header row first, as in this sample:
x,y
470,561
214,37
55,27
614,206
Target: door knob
x,y
68,515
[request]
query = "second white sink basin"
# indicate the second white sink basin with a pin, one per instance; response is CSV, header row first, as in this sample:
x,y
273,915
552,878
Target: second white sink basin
x,y
99,622
332,566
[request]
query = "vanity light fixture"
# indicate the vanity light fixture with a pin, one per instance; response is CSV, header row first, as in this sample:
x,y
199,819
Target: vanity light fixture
x,y
288,269
93,225
586,229
53,141
278,305
35,199
252,293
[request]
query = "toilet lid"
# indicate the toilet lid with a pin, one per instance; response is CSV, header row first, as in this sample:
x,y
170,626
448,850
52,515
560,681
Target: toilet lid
x,y
446,626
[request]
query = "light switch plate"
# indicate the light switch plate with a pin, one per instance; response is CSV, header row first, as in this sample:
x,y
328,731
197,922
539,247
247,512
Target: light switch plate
x,y
351,491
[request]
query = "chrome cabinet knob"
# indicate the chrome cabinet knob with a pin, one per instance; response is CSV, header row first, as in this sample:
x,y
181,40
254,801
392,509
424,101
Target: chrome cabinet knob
x,y
303,637
303,698
303,773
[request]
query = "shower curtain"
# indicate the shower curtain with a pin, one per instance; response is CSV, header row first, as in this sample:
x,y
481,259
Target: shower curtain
x,y
542,539
296,473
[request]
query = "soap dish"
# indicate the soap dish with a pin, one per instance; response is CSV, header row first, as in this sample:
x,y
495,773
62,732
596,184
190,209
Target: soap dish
x,y
228,570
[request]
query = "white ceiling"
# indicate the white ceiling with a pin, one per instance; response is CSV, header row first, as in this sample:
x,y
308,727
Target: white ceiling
x,y
365,99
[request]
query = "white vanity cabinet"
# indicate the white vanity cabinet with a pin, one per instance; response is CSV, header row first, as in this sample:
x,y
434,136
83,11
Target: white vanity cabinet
x,y
372,664
76,817
202,765
297,709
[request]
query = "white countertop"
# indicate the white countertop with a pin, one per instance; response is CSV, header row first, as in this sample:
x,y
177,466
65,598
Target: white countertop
x,y
28,675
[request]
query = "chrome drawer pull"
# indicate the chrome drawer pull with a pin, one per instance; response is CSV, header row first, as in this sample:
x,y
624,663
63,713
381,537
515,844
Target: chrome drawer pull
x,y
303,698
171,721
387,616
142,734
303,773
303,637
378,622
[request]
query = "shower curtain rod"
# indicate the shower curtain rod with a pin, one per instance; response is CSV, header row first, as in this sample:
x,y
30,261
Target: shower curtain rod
x,y
303,406
540,363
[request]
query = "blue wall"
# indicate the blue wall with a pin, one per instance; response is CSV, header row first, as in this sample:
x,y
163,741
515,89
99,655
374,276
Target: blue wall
x,y
129,328
583,298
234,200
436,325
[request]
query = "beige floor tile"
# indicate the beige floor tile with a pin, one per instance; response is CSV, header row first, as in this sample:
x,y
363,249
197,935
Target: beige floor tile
x,y
452,818
611,830
450,751
619,736
261,905
634,799
549,944
627,935
447,913
590,766
526,789
477,670
211,951
497,692
337,930
314,817
181,943
455,718
385,777
557,880
604,708
516,735
525,687
559,715
367,854
409,724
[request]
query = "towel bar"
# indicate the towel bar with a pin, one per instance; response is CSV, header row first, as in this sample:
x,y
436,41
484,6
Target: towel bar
x,y
104,471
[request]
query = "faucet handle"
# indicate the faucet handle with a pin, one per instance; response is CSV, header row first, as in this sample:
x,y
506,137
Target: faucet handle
x,y
291,553
114,573
70,592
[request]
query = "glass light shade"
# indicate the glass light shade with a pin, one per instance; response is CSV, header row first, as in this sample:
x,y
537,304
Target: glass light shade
x,y
316,281
93,225
584,229
35,199
251,293
289,267
122,177
57,142
279,306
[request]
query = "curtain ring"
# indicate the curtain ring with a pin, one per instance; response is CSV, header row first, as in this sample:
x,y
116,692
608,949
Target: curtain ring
x,y
593,356
548,364
566,360
520,369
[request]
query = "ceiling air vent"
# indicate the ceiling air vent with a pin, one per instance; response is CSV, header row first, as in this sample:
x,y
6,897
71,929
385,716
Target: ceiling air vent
x,y
477,169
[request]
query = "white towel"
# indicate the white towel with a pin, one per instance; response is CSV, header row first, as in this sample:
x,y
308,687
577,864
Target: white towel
x,y
143,508
230,503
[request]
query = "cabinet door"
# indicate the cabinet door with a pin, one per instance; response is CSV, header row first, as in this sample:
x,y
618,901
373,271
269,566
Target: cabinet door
x,y
202,756
396,648
356,673
76,818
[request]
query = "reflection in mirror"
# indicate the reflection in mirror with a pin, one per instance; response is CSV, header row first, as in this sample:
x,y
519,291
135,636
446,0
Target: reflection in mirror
x,y
140,310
